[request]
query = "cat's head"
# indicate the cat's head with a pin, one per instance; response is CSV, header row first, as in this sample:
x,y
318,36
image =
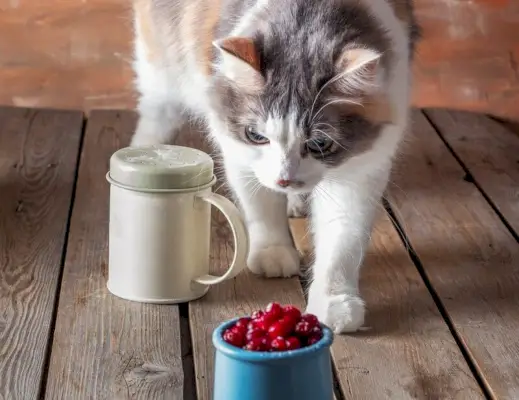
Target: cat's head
x,y
300,98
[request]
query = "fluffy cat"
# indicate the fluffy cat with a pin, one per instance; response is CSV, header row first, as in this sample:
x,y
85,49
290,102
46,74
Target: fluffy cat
x,y
307,100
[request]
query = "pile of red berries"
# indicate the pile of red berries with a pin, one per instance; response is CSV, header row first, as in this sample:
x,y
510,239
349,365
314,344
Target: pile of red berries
x,y
277,328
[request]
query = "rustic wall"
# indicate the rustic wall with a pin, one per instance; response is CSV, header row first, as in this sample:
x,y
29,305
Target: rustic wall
x,y
76,54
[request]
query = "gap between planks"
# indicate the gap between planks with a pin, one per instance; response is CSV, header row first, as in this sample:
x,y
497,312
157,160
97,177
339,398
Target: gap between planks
x,y
488,151
469,257
105,347
38,155
407,351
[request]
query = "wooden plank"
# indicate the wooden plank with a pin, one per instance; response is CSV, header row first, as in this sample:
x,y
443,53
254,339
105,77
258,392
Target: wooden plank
x,y
469,256
105,347
240,296
38,155
490,151
407,351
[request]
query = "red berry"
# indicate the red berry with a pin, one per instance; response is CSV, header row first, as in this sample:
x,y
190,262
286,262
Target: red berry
x,y
280,329
233,338
265,321
289,322
292,312
239,329
293,343
257,314
274,310
243,322
316,331
256,344
278,344
311,319
255,333
313,340
303,328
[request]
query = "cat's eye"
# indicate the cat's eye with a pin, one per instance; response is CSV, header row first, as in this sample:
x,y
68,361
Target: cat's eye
x,y
255,137
319,145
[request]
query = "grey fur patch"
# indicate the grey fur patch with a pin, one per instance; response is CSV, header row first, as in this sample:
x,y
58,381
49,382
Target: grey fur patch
x,y
300,42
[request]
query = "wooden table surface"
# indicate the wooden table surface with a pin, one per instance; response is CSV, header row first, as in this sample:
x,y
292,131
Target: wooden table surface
x,y
440,279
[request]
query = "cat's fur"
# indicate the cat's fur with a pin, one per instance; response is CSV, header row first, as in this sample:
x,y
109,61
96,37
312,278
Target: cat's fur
x,y
301,73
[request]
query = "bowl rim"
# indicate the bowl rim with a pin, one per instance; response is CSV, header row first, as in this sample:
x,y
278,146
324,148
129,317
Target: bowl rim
x,y
247,355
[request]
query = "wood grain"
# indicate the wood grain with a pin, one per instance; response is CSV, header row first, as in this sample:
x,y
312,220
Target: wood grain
x,y
407,351
105,347
490,151
38,154
239,296
470,258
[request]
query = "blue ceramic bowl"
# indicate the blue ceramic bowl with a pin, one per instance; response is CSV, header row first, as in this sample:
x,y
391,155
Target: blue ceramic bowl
x,y
302,374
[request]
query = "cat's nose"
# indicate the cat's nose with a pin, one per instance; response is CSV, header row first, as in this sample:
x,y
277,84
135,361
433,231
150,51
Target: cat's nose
x,y
283,183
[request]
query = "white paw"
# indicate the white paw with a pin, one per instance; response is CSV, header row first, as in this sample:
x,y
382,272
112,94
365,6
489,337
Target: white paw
x,y
297,206
274,261
341,313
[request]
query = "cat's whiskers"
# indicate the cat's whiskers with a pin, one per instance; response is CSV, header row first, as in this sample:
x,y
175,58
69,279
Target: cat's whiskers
x,y
326,124
332,139
348,101
315,142
329,82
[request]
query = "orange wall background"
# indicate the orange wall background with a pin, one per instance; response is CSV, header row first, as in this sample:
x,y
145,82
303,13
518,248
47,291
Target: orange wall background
x,y
77,54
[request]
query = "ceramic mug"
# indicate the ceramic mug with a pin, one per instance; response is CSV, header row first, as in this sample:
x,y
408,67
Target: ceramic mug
x,y
302,374
160,225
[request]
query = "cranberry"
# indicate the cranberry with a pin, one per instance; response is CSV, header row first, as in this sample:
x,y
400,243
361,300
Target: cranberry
x,y
289,322
274,310
293,343
257,314
239,330
278,344
276,328
256,344
303,328
292,312
265,321
311,319
280,328
233,338
243,322
316,331
313,340
255,333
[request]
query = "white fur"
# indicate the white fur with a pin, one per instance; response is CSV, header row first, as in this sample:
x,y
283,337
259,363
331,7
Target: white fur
x,y
343,203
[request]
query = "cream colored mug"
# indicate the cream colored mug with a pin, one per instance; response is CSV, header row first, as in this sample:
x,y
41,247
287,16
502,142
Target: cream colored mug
x,y
160,225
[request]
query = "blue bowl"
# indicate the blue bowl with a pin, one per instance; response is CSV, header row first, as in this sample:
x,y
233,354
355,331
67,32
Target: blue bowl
x,y
302,374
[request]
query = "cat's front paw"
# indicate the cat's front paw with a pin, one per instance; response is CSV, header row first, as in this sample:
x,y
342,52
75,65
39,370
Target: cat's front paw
x,y
274,261
341,313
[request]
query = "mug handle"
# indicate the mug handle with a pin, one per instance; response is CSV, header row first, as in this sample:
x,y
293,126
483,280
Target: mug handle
x,y
240,235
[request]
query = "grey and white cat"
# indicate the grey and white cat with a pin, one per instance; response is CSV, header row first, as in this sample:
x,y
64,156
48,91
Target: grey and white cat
x,y
308,102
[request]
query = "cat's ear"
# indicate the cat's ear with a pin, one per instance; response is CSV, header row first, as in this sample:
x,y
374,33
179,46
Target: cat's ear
x,y
240,62
358,69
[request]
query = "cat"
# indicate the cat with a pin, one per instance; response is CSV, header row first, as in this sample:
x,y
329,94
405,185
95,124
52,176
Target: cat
x,y
307,101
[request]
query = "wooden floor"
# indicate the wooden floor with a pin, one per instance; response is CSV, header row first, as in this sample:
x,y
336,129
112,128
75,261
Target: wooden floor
x,y
441,278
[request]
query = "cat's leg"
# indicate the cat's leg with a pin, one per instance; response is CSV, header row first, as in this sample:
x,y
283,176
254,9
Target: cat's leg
x,y
297,205
160,119
272,252
161,109
342,217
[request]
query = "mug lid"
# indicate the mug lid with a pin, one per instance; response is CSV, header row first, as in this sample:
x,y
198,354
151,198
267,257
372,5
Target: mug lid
x,y
161,167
